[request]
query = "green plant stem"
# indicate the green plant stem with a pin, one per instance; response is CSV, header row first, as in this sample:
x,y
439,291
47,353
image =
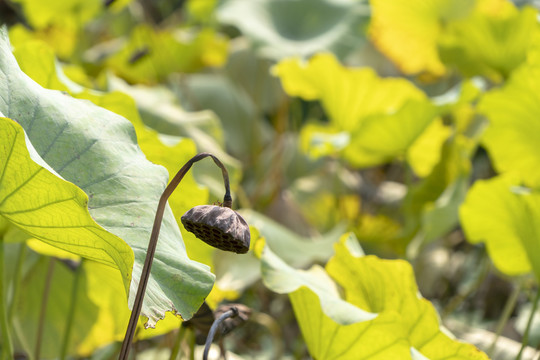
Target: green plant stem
x,y
525,339
462,295
43,310
507,311
192,345
152,244
177,342
7,346
17,281
71,312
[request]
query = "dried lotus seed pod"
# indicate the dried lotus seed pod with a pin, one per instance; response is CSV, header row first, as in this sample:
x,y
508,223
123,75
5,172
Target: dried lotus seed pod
x,y
220,227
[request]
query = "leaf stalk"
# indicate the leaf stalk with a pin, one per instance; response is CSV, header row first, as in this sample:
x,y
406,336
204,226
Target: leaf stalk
x,y
145,274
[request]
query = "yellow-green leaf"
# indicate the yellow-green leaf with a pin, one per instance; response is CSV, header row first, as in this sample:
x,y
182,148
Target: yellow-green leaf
x,y
150,55
407,32
96,149
489,43
403,325
372,120
36,199
513,112
504,215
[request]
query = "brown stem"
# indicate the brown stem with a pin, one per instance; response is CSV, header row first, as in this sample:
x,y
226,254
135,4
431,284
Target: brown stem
x,y
137,305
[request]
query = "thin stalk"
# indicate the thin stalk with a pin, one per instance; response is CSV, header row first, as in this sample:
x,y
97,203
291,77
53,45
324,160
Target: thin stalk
x,y
210,338
17,281
461,296
507,311
43,310
525,339
192,345
145,274
71,312
177,342
7,346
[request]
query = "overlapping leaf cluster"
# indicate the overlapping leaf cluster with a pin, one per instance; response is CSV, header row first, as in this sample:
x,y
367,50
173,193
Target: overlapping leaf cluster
x,y
368,119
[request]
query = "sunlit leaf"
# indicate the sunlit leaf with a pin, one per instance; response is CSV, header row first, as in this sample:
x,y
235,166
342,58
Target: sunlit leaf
x,y
62,38
403,321
388,286
513,112
36,199
425,152
45,70
505,215
150,55
407,32
489,43
286,28
372,120
41,14
96,150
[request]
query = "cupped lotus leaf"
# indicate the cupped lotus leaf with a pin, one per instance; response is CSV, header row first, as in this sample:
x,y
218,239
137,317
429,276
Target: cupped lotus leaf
x,y
150,55
96,150
489,43
513,112
36,199
407,32
505,215
283,279
405,323
388,286
298,28
382,117
328,339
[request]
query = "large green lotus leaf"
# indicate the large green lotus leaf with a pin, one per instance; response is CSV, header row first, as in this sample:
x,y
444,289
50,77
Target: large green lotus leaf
x,y
281,28
96,150
505,216
513,112
372,120
150,55
46,71
37,200
491,41
160,110
407,32
388,286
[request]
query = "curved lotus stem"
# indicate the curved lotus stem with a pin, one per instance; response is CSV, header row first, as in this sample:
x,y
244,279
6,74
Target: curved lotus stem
x,y
137,305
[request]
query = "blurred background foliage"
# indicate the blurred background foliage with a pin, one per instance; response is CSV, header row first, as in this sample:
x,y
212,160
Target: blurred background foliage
x,y
410,127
